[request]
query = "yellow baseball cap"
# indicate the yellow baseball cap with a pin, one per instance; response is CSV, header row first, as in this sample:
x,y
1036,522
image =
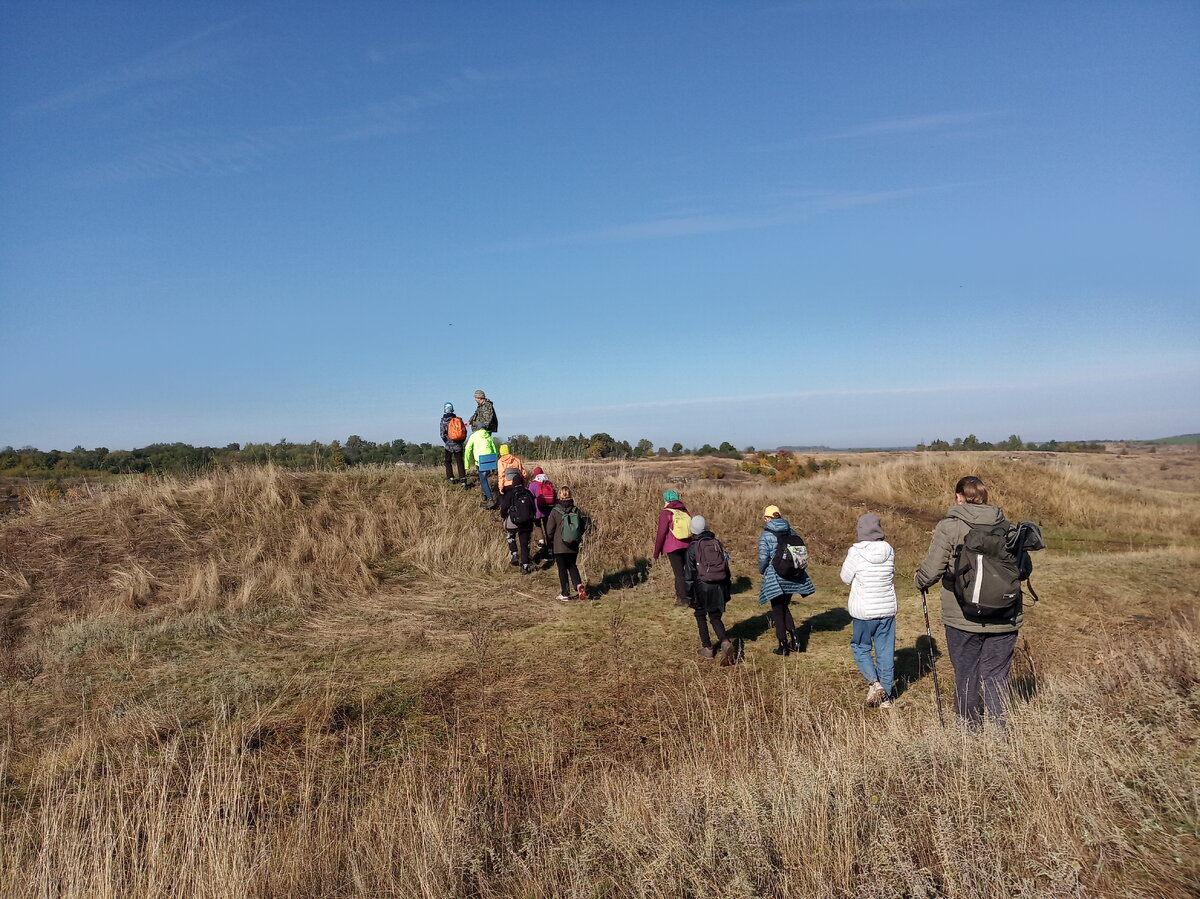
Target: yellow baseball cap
x,y
771,512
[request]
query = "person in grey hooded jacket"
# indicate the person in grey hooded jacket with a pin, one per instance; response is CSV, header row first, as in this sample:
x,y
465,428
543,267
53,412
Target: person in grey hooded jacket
x,y
981,651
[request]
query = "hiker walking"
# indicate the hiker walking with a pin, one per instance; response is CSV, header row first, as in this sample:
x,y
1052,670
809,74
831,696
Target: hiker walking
x,y
566,526
454,435
485,414
673,536
509,466
981,646
544,496
517,513
870,569
706,576
481,452
778,589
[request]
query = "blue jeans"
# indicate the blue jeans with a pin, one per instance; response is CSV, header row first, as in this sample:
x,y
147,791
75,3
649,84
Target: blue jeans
x,y
484,487
880,633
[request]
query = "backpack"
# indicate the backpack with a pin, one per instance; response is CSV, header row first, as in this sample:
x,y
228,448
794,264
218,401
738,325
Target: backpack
x,y
546,495
985,573
681,524
712,562
456,430
521,508
791,556
510,474
572,527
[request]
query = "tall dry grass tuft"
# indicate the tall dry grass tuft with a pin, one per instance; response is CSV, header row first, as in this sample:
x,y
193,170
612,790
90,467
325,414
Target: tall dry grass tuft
x,y
764,791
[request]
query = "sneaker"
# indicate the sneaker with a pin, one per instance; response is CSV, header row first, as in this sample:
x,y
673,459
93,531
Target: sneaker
x,y
562,597
875,694
724,651
885,703
525,569
583,594
705,652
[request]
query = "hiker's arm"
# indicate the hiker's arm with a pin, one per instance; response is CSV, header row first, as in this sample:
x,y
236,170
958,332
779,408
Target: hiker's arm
x,y
849,569
661,538
689,571
764,553
551,528
934,565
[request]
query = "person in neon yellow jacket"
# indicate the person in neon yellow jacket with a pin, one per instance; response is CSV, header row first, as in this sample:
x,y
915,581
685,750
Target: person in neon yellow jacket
x,y
480,443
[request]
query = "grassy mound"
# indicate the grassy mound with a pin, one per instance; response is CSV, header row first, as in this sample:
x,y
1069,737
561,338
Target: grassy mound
x,y
266,683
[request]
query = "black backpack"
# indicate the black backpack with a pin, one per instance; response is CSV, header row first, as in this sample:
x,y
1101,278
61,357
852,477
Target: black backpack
x,y
522,509
791,556
712,562
988,568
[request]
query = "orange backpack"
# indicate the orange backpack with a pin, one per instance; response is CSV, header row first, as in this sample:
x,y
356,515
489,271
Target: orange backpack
x,y
456,430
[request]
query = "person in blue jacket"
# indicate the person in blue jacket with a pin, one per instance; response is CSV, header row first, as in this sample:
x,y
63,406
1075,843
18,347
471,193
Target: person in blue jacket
x,y
777,591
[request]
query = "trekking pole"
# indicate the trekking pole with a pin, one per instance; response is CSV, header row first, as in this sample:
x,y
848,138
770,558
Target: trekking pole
x,y
937,690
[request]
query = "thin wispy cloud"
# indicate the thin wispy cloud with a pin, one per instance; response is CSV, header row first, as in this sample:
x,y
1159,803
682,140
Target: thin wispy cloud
x,y
915,123
1031,384
188,151
860,6
185,58
707,222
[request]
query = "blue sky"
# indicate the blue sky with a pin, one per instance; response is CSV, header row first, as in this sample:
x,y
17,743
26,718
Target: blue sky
x,y
845,223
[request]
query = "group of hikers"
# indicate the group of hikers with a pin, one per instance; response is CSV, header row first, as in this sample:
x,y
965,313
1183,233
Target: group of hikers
x,y
978,557
524,501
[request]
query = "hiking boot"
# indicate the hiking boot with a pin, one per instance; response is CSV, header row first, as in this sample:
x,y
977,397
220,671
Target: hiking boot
x,y
525,569
875,694
885,703
783,649
705,652
513,559
800,639
724,652
583,594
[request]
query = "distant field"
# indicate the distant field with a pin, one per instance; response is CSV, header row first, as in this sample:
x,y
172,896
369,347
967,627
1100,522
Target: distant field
x,y
268,683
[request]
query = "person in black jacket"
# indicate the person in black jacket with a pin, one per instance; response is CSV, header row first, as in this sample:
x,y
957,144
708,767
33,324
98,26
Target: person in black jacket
x,y
517,532
708,599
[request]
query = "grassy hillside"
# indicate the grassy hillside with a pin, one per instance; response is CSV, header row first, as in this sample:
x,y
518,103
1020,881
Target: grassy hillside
x,y
271,683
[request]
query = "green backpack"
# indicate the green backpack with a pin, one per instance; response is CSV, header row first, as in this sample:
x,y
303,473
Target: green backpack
x,y
572,527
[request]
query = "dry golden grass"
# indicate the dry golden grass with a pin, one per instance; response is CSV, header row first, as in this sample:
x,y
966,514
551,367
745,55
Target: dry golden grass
x,y
264,683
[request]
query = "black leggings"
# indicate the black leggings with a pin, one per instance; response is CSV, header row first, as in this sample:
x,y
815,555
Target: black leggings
x,y
519,539
781,615
718,626
566,566
677,557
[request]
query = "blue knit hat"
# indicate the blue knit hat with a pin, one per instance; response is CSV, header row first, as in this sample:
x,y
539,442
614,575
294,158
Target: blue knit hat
x,y
449,407
670,496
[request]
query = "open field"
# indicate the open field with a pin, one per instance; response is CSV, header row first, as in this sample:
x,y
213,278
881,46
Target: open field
x,y
271,683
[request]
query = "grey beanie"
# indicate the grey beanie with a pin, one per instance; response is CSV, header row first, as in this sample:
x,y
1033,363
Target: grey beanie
x,y
699,525
869,527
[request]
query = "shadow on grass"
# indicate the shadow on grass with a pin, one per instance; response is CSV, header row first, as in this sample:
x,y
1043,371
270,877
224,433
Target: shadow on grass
x,y
635,574
750,629
740,585
834,619
914,663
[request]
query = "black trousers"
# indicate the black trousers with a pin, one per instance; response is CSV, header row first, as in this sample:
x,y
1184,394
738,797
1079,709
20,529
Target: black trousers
x,y
781,616
567,565
518,542
982,664
677,559
455,456
718,626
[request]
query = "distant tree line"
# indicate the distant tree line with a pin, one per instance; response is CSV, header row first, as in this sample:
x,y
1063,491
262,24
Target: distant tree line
x,y
1013,443
175,458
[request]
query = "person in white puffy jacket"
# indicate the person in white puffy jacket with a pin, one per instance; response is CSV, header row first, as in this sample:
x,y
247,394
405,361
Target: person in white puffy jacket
x,y
869,569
